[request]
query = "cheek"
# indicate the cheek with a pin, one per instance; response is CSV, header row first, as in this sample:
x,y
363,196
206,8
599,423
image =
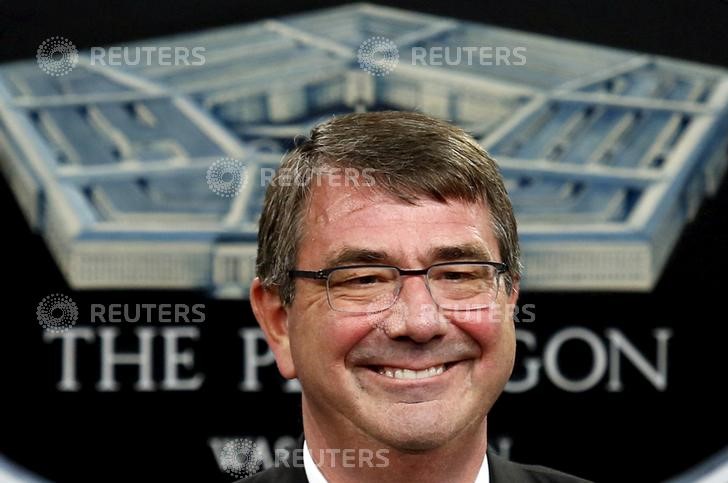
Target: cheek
x,y
491,328
325,338
345,332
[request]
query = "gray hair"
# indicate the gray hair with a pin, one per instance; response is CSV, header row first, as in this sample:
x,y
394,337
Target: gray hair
x,y
410,156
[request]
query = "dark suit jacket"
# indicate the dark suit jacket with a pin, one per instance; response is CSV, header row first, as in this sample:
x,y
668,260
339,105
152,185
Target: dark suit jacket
x,y
501,471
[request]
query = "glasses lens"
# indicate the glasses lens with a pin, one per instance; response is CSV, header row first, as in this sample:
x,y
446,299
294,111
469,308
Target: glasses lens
x,y
463,286
362,289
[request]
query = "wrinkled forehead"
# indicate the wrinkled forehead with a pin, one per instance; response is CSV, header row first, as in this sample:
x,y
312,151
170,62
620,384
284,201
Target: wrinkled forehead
x,y
329,204
339,217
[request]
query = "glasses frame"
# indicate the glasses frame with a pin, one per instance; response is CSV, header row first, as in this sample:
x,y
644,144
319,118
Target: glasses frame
x,y
324,274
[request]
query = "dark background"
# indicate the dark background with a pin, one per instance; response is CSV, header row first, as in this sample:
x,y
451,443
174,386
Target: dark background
x,y
694,30
639,434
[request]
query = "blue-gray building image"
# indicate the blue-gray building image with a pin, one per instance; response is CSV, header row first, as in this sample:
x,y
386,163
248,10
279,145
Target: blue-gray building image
x,y
607,154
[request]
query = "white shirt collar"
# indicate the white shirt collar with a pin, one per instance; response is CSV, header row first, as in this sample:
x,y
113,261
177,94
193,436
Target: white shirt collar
x,y
314,475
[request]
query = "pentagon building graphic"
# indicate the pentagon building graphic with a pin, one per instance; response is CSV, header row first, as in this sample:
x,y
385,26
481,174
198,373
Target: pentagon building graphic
x,y
607,154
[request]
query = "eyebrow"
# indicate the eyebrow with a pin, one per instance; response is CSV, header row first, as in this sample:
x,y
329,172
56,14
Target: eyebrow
x,y
471,251
353,256
466,251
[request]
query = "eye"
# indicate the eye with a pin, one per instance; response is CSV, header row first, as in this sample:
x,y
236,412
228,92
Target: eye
x,y
363,280
460,275
357,278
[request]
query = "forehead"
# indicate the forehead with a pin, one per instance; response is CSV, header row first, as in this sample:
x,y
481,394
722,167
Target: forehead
x,y
341,218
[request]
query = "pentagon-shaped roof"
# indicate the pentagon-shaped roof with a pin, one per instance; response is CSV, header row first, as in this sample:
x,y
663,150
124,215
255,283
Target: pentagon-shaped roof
x,y
607,154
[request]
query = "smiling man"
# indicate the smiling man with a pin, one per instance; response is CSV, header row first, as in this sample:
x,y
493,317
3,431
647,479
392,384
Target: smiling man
x,y
388,269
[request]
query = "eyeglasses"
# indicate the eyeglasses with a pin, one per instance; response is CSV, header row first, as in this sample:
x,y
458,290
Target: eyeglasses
x,y
374,288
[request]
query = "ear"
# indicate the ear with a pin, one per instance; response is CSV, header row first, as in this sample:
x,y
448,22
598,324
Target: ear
x,y
272,317
515,291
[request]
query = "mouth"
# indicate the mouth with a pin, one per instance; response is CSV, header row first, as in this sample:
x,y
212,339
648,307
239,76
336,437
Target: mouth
x,y
410,374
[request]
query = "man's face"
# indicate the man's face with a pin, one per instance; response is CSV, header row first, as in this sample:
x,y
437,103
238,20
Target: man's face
x,y
342,359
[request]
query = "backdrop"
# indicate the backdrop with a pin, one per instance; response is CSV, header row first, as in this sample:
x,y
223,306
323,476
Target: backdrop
x,y
159,369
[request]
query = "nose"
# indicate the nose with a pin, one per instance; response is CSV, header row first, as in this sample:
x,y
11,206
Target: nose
x,y
415,315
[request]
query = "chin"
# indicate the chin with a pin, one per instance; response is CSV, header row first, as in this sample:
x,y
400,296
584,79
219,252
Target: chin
x,y
418,445
422,431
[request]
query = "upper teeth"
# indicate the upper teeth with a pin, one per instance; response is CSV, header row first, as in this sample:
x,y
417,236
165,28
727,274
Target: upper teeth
x,y
410,374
